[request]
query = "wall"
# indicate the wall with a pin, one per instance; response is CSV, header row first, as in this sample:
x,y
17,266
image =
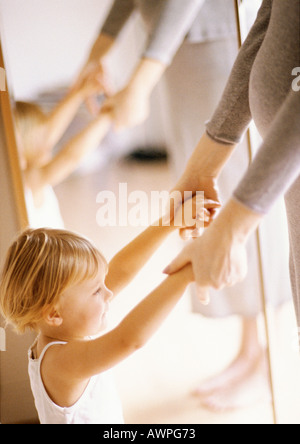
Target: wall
x,y
46,43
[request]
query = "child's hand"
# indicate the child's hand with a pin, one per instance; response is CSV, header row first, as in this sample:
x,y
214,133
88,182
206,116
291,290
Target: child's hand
x,y
193,216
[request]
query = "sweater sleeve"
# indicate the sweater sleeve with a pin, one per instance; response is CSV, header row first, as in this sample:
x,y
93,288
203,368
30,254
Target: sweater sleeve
x,y
119,14
232,116
173,24
277,163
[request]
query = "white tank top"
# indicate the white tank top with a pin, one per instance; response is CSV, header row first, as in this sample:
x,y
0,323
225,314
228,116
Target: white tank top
x,y
99,403
48,214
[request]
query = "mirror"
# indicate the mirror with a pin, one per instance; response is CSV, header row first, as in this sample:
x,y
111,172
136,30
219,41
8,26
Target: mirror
x,y
40,69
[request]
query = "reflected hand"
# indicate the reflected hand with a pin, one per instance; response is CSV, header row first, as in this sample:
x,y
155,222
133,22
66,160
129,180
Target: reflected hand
x,y
95,81
128,108
95,68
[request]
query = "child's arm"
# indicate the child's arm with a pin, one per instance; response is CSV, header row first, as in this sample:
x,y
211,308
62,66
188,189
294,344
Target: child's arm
x,y
81,360
130,260
61,116
69,157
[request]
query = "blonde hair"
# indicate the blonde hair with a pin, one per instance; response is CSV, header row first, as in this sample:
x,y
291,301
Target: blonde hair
x,y
28,117
39,266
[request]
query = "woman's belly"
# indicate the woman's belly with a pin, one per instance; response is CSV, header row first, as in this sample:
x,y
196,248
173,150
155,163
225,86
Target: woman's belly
x,y
271,76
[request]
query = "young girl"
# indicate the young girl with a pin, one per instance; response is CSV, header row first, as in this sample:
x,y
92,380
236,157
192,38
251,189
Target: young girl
x,y
37,133
58,284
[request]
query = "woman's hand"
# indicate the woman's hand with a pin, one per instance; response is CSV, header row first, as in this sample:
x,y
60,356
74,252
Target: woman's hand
x,y
201,174
217,262
193,214
191,184
219,257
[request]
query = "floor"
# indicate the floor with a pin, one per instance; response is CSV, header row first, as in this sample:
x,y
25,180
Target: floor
x,y
157,382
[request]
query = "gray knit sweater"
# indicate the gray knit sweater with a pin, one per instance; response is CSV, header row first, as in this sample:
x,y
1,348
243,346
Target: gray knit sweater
x,y
169,22
261,86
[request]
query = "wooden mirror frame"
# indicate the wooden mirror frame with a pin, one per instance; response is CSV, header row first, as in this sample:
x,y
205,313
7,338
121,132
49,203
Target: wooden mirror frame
x,y
12,150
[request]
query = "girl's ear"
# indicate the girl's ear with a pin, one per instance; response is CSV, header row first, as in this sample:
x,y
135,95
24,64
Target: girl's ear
x,y
52,317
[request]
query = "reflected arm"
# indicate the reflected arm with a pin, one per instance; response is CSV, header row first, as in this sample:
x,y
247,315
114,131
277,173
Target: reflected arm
x,y
58,120
70,156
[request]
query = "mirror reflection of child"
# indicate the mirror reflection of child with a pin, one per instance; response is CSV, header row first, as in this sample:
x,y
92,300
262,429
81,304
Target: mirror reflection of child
x,y
58,284
37,134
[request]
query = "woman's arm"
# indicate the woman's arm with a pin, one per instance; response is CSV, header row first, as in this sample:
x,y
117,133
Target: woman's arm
x,y
170,29
233,114
230,120
100,49
202,172
70,156
81,360
208,158
119,14
130,106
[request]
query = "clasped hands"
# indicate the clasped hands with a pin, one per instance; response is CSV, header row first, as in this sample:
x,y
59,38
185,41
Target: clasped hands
x,y
218,257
